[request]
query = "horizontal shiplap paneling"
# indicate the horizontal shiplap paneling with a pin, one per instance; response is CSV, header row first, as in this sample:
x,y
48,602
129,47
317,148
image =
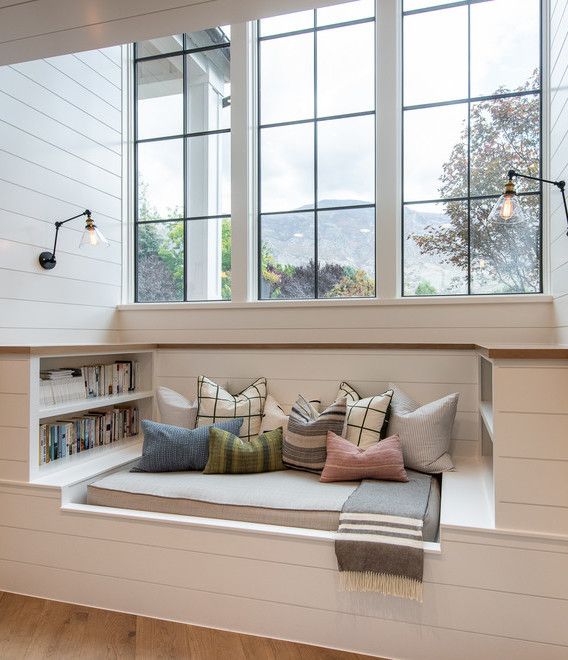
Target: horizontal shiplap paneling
x,y
60,153
316,374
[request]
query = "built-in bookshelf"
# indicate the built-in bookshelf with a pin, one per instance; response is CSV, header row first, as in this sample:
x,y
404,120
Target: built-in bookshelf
x,y
113,419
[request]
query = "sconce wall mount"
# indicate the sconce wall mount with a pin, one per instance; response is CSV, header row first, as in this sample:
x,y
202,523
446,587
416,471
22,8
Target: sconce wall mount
x,y
91,236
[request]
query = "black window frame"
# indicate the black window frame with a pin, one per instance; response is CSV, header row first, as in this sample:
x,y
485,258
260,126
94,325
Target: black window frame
x,y
315,30
469,100
185,135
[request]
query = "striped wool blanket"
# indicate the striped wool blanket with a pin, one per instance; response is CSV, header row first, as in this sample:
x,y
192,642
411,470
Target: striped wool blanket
x,y
379,545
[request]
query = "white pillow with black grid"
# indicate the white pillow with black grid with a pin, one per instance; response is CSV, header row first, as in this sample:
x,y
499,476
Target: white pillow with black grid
x,y
367,419
215,404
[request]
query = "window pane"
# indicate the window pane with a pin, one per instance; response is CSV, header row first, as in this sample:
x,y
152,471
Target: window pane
x,y
351,11
287,79
300,20
346,161
505,134
160,180
435,249
159,45
209,259
208,175
346,251
505,46
160,262
435,56
505,258
409,5
435,153
346,70
159,86
205,38
287,167
208,90
287,256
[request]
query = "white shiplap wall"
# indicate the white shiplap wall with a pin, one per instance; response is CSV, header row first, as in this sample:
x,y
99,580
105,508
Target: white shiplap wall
x,y
60,152
559,163
316,374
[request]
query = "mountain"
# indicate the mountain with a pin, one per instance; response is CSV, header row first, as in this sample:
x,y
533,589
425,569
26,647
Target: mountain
x,y
345,236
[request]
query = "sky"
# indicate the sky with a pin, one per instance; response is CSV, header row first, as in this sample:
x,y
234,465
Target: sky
x,y
504,51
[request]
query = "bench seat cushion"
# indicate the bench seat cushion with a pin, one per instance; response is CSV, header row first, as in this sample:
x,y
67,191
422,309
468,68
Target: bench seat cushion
x,y
289,497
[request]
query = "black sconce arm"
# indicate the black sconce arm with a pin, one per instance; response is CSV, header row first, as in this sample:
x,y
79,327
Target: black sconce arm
x,y
561,185
47,259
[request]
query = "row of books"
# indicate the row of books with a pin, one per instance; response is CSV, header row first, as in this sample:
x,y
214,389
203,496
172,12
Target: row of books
x,y
94,429
88,382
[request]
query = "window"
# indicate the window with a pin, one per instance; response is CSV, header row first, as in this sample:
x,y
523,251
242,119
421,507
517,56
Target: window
x,y
316,153
182,154
472,110
294,213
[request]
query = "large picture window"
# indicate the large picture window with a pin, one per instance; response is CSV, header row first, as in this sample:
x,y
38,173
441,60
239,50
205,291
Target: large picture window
x,y
316,155
183,163
472,110
333,164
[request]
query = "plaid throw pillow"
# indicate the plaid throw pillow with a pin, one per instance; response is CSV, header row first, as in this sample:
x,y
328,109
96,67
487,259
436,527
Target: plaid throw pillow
x,y
367,419
228,454
215,404
304,446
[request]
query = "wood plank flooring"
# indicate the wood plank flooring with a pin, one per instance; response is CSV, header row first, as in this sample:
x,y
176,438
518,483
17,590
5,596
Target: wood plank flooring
x,y
33,628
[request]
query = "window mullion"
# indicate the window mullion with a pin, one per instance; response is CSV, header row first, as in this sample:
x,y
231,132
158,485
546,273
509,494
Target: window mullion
x,y
388,158
243,263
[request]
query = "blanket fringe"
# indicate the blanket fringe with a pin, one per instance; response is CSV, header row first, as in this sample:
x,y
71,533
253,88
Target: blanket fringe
x,y
390,585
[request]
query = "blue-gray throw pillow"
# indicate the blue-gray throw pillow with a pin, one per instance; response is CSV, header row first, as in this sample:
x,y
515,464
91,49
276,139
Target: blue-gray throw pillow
x,y
174,449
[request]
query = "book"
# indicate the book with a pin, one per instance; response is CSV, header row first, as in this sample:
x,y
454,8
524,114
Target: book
x,y
97,428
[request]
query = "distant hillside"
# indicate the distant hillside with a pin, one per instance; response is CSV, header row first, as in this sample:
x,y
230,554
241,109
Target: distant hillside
x,y
341,241
340,237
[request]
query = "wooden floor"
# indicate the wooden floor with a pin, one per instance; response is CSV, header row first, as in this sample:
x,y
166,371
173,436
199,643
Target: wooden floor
x,y
34,628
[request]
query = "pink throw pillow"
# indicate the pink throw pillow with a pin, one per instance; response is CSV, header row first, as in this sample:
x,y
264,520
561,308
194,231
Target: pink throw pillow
x,y
347,462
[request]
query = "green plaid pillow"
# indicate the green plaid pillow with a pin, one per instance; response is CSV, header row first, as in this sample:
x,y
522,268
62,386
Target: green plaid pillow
x,y
228,454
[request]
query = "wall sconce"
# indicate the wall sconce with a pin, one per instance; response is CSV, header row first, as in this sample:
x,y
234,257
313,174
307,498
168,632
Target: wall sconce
x,y
91,237
509,210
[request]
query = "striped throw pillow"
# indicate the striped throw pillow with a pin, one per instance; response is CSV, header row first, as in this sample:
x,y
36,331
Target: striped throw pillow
x,y
215,404
229,454
346,462
367,419
304,446
425,431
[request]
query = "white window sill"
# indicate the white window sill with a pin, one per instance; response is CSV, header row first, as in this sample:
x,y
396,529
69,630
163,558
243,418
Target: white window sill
x,y
371,302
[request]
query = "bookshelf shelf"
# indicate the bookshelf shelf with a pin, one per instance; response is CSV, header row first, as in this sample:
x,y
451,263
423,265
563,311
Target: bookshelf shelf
x,y
486,411
77,466
89,463
83,405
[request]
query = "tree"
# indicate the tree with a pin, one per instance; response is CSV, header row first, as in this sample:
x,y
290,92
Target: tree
x,y
161,269
425,289
293,282
504,134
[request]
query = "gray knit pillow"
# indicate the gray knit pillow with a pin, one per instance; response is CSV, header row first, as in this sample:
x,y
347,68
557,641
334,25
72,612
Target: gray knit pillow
x,y
425,431
174,449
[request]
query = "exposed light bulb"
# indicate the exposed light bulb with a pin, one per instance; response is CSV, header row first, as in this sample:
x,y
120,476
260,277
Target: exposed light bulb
x,y
507,208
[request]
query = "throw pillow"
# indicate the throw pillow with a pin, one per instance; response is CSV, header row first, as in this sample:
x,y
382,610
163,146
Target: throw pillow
x,y
425,431
346,462
304,446
229,454
175,409
169,448
367,419
274,416
214,404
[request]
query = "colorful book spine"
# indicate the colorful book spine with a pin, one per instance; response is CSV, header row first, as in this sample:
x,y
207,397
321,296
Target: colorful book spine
x,y
94,429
